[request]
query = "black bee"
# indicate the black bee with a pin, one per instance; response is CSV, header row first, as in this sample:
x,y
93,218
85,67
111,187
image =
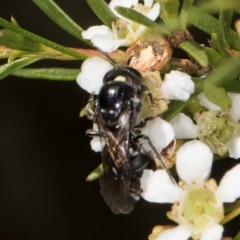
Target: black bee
x,y
116,111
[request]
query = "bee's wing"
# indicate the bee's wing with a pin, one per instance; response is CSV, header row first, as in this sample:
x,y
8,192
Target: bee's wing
x,y
117,183
116,142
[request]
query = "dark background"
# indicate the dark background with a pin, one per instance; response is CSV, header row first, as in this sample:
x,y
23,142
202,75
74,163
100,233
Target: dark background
x,y
45,155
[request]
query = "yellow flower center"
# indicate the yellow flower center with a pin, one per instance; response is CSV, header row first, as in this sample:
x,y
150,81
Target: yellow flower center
x,y
198,208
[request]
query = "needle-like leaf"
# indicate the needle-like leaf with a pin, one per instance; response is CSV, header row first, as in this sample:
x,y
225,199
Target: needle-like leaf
x,y
101,9
53,11
38,39
52,74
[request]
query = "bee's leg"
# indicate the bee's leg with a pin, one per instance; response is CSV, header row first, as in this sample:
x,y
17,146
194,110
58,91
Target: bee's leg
x,y
135,194
92,133
141,124
146,90
90,108
129,60
112,61
140,162
140,139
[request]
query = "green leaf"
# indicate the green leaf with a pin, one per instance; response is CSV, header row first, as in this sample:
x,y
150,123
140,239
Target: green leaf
x,y
38,39
141,19
214,58
101,9
54,74
5,52
14,21
169,11
225,73
9,68
230,216
47,53
174,107
12,40
232,86
196,51
18,54
203,20
194,106
53,11
217,157
209,24
231,206
184,12
96,173
225,20
213,6
198,84
216,95
83,112
237,237
216,41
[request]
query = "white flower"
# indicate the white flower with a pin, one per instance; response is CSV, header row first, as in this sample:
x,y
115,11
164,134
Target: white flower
x,y
206,103
177,233
97,143
103,38
219,128
184,127
92,72
160,133
122,3
234,110
177,86
124,31
234,146
198,202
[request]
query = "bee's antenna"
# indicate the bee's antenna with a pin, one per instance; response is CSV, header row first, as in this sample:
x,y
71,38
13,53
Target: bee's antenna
x,y
114,63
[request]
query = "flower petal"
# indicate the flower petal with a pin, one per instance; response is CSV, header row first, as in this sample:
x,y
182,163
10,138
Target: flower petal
x,y
107,43
214,232
234,111
177,85
229,186
234,147
103,38
158,187
207,104
184,127
148,3
121,3
194,162
160,133
153,14
92,72
96,144
97,30
179,233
